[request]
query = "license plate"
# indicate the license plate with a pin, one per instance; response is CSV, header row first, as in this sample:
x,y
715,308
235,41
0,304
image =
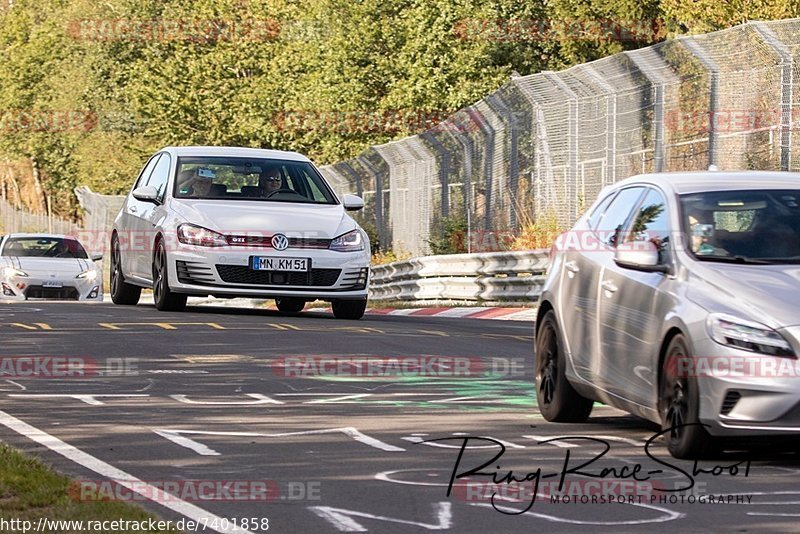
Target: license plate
x,y
260,263
52,283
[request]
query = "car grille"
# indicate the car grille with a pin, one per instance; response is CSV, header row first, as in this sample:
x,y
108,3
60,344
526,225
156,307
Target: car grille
x,y
190,272
355,279
730,402
238,274
58,293
266,241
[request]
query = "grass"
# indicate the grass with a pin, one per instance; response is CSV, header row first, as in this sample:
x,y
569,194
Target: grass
x,y
30,490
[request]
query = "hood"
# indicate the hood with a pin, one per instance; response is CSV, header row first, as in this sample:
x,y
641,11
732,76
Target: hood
x,y
291,219
44,267
769,294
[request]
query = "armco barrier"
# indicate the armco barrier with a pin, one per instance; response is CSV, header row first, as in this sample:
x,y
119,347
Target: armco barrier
x,y
490,276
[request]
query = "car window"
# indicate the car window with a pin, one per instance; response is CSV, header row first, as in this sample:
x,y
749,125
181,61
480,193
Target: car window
x,y
44,247
251,179
594,218
145,174
761,226
651,223
160,176
614,221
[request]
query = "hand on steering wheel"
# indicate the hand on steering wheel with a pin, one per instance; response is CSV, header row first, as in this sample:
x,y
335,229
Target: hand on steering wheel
x,y
292,191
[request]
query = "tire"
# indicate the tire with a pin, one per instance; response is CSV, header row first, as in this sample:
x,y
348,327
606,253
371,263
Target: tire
x,y
290,305
165,299
121,292
679,404
557,400
349,309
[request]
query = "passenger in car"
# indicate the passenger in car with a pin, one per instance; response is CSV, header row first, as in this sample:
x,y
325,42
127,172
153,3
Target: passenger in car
x,y
192,184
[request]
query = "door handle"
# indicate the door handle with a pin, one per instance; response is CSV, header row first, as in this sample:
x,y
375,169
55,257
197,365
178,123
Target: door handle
x,y
132,209
609,286
572,266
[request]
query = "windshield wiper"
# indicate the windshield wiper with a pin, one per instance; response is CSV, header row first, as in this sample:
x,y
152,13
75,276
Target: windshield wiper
x,y
787,260
743,260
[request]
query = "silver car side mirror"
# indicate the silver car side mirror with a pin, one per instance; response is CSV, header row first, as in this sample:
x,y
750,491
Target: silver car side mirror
x,y
97,257
146,193
639,256
352,202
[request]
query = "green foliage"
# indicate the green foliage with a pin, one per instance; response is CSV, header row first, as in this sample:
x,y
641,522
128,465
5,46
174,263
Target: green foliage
x,y
451,237
324,77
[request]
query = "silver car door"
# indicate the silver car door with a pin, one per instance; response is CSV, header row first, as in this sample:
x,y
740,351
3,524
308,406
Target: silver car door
x,y
610,230
150,213
579,279
129,227
633,304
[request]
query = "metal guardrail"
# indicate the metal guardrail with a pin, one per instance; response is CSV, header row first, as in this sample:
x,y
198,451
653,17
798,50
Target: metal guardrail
x,y
489,276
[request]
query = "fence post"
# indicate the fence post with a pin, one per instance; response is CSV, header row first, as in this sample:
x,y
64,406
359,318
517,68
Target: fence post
x,y
572,134
499,107
488,158
379,213
464,140
611,121
699,52
444,170
787,68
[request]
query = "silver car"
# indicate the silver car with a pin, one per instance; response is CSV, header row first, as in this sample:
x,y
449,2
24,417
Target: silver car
x,y
676,297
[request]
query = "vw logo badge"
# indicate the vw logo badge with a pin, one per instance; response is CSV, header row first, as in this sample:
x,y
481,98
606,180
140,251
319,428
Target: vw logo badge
x,y
279,242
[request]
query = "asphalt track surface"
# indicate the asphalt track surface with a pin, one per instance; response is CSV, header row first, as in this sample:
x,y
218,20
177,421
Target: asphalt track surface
x,y
201,396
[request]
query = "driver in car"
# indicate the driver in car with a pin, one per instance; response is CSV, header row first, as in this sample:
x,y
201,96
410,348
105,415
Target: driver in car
x,y
269,181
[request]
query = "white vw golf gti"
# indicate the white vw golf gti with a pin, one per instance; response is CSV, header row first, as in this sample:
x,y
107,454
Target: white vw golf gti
x,y
238,222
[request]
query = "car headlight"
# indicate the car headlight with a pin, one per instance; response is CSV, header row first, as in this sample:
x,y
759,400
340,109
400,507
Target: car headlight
x,y
10,271
91,274
189,234
747,335
352,241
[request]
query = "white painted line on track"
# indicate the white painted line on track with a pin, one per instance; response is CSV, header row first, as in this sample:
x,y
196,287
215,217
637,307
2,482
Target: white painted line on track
x,y
152,493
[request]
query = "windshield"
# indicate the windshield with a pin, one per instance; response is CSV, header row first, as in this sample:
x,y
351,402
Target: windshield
x,y
761,226
252,179
44,247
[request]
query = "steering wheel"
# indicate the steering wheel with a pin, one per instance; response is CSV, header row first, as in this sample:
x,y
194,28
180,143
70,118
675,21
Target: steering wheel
x,y
292,191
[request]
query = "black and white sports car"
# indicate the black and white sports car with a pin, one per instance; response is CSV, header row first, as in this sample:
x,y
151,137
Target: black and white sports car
x,y
35,266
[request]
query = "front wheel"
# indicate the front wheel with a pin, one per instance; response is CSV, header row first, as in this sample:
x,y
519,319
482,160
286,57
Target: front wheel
x,y
679,405
164,298
349,309
557,399
121,292
290,305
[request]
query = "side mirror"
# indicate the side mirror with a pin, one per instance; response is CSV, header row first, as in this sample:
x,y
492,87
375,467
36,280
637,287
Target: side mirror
x,y
97,257
639,256
352,202
146,193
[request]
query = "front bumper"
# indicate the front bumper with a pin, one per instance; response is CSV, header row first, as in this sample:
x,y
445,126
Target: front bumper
x,y
746,394
33,287
227,273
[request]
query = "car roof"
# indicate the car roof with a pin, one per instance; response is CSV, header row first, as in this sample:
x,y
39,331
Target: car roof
x,y
703,181
235,152
41,236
